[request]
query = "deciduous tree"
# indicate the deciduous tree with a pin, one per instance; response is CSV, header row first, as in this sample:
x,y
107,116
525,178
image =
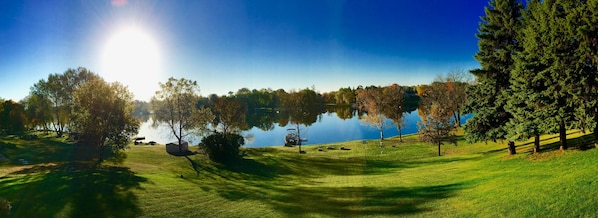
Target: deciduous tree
x,y
230,114
104,115
393,104
12,117
38,110
457,81
345,96
303,108
438,127
372,100
59,89
175,105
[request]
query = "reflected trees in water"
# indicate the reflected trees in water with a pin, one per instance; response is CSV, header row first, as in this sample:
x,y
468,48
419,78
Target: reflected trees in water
x,y
230,114
303,108
175,105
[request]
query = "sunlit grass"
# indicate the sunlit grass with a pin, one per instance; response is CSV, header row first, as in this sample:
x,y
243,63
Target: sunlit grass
x,y
398,179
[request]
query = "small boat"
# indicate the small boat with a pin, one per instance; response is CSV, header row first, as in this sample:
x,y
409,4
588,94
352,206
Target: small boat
x,y
292,138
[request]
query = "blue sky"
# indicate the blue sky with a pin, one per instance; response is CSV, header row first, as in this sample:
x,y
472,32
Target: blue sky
x,y
229,44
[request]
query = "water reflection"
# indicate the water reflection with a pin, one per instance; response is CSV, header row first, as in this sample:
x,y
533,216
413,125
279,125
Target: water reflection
x,y
328,125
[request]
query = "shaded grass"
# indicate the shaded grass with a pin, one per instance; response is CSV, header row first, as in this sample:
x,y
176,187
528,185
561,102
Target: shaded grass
x,y
73,189
398,179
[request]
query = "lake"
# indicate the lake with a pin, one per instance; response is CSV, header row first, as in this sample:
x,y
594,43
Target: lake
x,y
329,128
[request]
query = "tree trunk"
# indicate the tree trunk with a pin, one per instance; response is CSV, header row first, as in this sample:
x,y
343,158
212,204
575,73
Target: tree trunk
x,y
381,133
299,138
180,138
439,143
596,136
536,143
180,147
457,118
511,148
400,135
100,147
563,135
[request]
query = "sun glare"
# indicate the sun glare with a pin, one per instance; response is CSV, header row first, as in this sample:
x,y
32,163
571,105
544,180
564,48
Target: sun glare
x,y
131,57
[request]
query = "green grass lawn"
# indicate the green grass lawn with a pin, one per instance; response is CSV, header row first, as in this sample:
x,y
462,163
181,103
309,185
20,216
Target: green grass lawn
x,y
399,179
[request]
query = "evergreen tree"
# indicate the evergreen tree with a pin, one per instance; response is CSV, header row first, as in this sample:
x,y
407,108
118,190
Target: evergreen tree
x,y
583,20
526,103
497,45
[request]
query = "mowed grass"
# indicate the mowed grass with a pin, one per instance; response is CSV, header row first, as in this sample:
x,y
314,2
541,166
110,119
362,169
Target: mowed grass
x,y
399,179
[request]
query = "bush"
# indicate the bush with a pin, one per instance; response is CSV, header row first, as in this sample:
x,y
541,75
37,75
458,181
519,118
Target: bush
x,y
222,147
4,207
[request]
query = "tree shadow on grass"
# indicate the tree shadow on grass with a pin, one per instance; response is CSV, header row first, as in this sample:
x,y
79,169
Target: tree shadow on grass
x,y
255,169
74,189
242,169
360,201
583,143
299,201
45,150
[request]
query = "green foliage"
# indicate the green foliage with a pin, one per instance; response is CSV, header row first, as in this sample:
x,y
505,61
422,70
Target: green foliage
x,y
582,26
59,91
526,102
175,105
38,110
222,147
142,108
258,99
12,117
408,180
230,114
104,115
303,106
345,96
553,82
498,42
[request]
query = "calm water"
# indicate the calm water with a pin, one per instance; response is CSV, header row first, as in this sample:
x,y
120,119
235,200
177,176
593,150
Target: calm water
x,y
328,129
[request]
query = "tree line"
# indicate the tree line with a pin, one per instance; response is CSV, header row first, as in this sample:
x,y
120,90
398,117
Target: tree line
x,y
96,113
101,114
537,76
538,71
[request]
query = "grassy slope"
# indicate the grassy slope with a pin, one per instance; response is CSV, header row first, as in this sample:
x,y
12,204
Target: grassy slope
x,y
469,180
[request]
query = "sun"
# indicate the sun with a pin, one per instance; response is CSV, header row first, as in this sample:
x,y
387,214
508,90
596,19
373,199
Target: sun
x,y
131,57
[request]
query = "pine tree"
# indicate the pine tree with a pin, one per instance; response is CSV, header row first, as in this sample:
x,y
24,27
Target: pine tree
x,y
497,45
582,23
554,83
526,102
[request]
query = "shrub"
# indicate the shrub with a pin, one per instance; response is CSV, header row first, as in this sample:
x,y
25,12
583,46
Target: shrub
x,y
4,207
222,147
